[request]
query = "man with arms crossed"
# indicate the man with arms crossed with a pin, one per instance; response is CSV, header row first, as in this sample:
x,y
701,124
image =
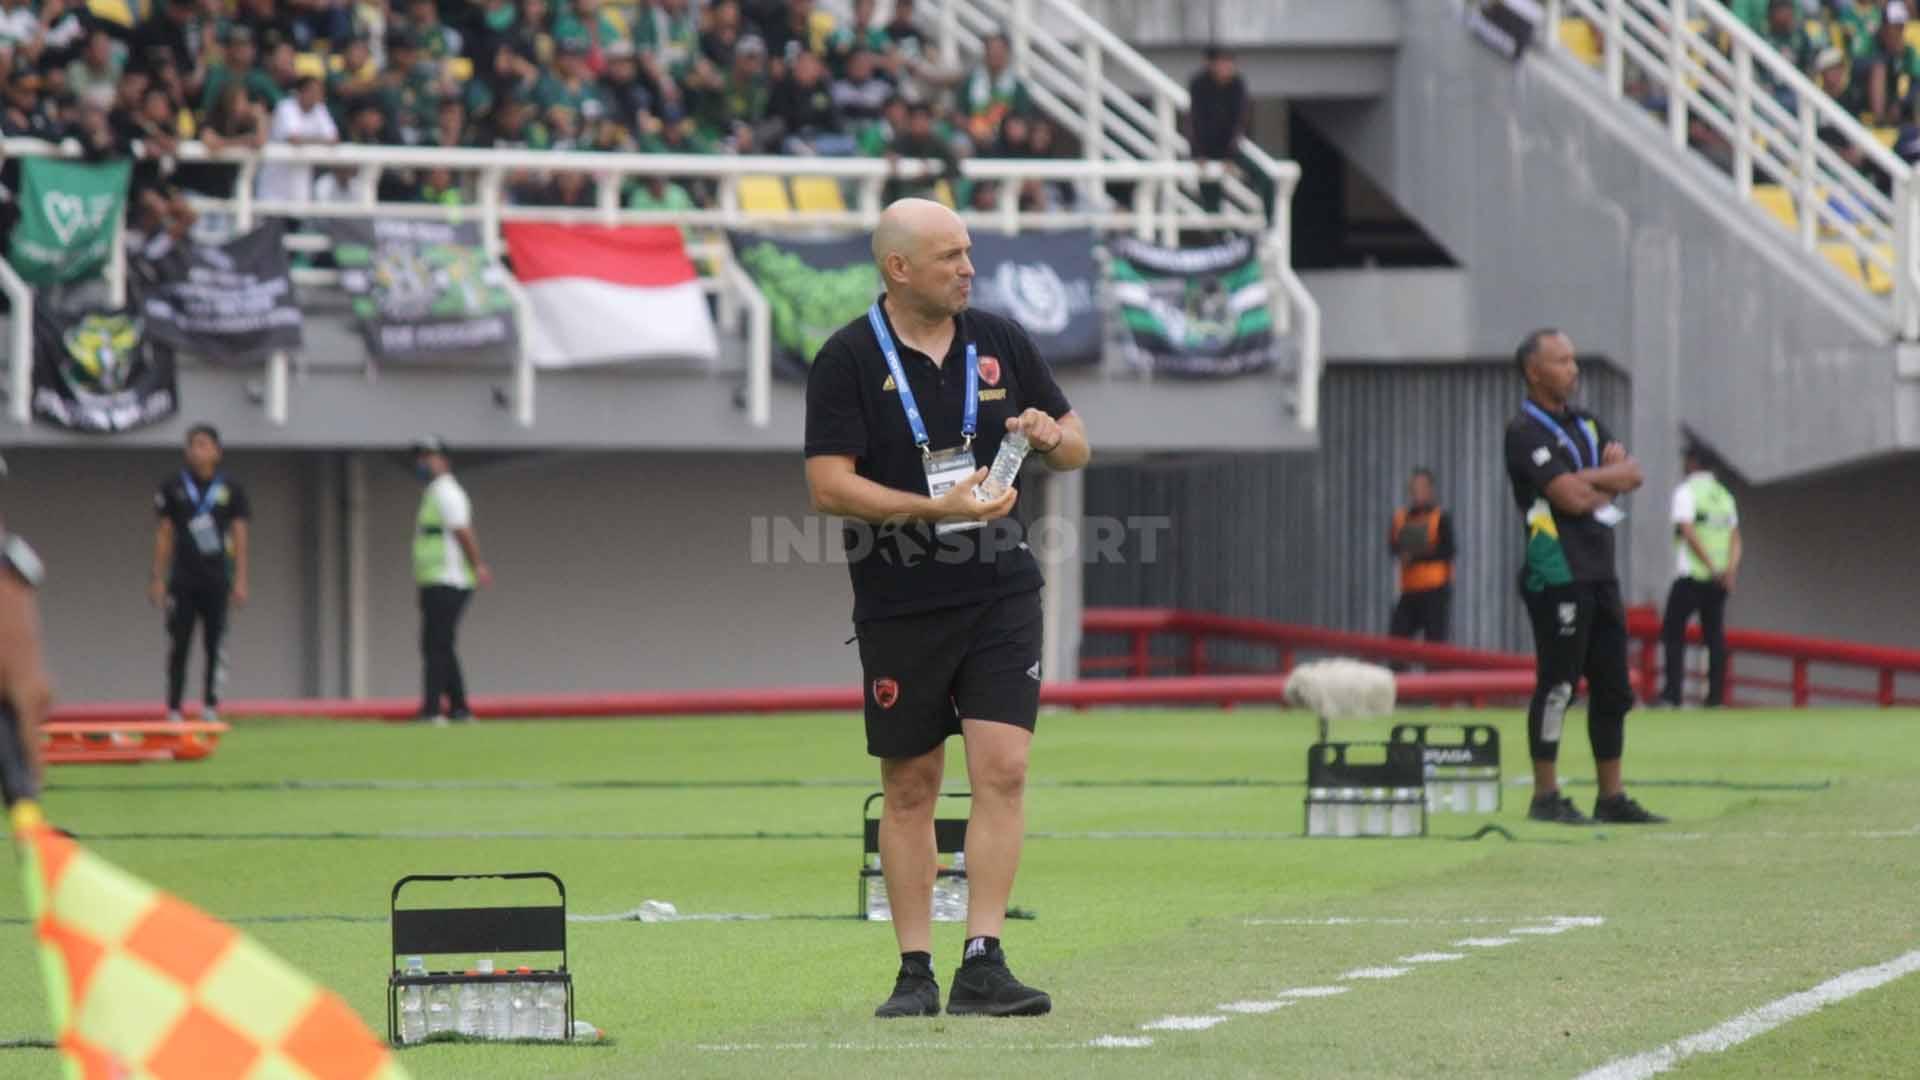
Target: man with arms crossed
x,y
1566,470
904,406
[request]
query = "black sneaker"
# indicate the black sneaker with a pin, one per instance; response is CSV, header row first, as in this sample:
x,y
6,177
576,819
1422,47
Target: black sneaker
x,y
460,716
915,993
1554,806
984,987
1622,810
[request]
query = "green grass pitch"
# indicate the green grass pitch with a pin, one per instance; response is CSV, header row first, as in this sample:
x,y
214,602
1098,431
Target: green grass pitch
x,y
1165,875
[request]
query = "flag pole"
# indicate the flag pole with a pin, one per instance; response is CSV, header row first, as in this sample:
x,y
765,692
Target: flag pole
x,y
17,783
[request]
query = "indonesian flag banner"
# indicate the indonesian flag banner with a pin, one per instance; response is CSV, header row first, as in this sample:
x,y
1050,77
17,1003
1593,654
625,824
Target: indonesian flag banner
x,y
143,985
611,295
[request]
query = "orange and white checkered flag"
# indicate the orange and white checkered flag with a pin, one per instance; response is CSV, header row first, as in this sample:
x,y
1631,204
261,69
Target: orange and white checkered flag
x,y
142,984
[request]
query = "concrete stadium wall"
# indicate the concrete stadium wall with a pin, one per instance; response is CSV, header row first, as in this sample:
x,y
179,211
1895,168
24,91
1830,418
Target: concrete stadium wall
x,y
1564,209
1301,537
616,572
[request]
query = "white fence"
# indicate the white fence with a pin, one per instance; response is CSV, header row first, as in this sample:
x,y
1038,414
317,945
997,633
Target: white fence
x,y
1158,208
1715,72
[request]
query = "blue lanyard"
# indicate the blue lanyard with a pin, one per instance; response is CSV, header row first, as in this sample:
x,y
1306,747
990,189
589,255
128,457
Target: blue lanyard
x,y
202,504
1546,420
969,421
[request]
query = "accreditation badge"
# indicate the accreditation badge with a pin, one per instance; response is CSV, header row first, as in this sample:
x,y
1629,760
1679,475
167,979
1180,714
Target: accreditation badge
x,y
945,469
206,536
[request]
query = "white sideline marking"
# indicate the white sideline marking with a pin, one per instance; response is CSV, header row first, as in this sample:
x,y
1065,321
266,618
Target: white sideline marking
x,y
1560,924
1376,973
1483,942
1184,1023
1315,991
1105,1041
1402,920
1431,958
1254,1007
1758,1021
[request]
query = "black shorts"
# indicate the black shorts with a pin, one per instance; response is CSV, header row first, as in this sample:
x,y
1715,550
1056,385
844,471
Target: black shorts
x,y
926,671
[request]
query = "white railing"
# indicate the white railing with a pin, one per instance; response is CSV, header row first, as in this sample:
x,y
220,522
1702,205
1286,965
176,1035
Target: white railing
x,y
1716,72
1070,80
1152,212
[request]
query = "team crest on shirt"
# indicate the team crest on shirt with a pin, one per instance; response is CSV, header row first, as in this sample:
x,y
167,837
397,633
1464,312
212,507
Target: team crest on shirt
x,y
885,692
990,370
1542,455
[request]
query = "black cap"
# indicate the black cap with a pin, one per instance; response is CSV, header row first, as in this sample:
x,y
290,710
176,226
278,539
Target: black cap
x,y
429,444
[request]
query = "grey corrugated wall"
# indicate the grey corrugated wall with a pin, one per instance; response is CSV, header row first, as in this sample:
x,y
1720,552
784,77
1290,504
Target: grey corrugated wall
x,y
1301,537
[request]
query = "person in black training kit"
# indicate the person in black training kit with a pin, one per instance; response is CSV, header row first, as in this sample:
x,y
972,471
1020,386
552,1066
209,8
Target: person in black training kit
x,y
946,596
199,563
1566,470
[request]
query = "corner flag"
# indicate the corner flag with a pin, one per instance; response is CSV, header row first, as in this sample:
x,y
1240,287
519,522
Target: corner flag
x,y
142,984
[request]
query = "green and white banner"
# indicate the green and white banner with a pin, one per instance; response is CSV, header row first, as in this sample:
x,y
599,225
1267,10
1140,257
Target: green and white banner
x,y
1195,312
68,212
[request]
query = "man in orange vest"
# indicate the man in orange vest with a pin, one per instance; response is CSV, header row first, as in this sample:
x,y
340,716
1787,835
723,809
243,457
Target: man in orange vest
x,y
1422,540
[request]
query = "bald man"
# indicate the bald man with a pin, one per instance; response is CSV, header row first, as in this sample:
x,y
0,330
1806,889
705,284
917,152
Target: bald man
x,y
906,405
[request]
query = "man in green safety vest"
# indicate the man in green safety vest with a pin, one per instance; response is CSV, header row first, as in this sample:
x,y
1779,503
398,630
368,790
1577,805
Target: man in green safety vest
x,y
1706,544
446,566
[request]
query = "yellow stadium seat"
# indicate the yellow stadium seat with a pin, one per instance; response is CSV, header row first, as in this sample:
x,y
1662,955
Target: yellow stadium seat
x,y
1777,201
1577,36
119,12
460,69
1887,136
1879,282
1846,260
943,194
817,193
764,195
306,63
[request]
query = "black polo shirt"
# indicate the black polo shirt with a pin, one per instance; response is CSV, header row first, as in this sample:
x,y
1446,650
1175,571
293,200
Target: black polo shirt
x,y
1577,548
226,503
853,409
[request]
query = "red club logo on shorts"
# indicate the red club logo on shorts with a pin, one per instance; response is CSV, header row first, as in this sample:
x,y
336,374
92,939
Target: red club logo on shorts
x,y
990,370
885,692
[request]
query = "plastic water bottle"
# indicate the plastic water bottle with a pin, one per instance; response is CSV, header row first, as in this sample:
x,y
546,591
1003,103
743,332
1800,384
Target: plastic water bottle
x,y
950,892
585,1032
499,1004
413,1004
1006,466
473,1009
439,1009
553,1010
526,1018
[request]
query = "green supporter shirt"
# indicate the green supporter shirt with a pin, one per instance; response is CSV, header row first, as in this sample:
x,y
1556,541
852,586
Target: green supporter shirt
x,y
672,197
1860,22
673,39
568,26
258,83
583,100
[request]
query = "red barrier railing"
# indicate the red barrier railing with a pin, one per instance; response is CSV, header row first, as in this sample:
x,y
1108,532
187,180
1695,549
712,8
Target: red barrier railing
x,y
1800,654
1194,633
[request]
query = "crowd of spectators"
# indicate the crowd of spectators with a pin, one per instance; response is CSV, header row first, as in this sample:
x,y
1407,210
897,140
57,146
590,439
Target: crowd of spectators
x,y
666,76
